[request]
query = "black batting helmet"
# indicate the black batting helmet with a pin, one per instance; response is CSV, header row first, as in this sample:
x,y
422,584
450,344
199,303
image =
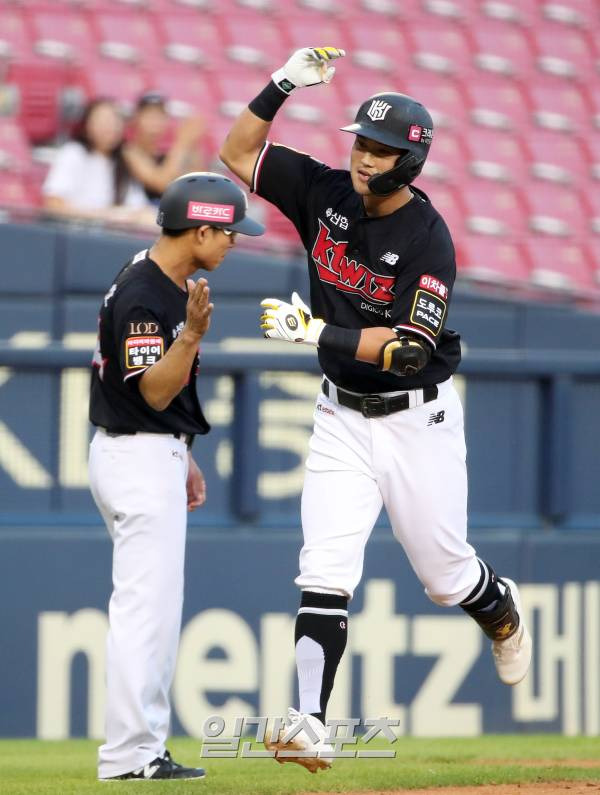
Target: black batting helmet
x,y
202,197
399,121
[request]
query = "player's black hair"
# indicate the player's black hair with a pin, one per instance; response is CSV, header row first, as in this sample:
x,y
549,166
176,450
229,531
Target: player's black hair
x,y
174,232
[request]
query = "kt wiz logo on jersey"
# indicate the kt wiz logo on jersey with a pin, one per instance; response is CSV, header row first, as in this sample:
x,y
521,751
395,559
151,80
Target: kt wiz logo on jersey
x,y
348,275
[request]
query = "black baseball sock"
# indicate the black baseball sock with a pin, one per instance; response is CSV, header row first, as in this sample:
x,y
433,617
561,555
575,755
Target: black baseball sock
x,y
486,595
321,632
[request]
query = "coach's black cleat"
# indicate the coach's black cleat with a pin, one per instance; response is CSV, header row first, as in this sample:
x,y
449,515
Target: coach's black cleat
x,y
160,769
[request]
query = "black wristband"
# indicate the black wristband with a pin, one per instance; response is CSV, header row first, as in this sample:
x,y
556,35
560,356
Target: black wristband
x,y
341,340
268,102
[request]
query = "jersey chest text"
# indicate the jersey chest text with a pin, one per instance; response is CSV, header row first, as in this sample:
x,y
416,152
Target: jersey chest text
x,y
348,275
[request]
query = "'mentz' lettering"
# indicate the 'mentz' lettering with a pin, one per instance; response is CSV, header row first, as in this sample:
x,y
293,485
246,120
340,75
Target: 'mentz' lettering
x,y
348,275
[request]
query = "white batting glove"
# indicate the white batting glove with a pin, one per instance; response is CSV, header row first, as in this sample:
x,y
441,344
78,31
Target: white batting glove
x,y
290,322
307,67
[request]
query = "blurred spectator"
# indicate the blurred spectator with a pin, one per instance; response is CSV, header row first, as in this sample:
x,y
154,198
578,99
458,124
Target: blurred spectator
x,y
145,155
89,177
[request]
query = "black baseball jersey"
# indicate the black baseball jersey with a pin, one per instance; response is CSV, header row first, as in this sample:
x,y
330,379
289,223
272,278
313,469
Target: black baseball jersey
x,y
141,316
396,270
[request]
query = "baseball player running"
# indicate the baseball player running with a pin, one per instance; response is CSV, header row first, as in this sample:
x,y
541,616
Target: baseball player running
x,y
142,475
388,424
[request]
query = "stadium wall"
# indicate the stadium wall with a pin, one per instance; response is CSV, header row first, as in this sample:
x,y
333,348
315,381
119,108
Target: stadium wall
x,y
531,420
428,667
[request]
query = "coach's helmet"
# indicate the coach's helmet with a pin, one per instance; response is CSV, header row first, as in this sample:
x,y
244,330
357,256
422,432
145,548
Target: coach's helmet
x,y
202,197
399,121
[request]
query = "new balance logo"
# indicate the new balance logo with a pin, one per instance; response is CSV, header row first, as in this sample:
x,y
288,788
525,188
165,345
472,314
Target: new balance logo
x,y
436,418
378,110
390,258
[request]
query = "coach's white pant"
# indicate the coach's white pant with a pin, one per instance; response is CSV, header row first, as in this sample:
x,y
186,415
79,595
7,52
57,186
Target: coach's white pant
x,y
408,462
139,485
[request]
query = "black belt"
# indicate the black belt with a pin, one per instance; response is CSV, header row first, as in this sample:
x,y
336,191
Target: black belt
x,y
188,438
378,405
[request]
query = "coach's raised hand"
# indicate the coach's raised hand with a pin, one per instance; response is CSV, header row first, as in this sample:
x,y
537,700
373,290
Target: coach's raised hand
x,y
307,67
198,310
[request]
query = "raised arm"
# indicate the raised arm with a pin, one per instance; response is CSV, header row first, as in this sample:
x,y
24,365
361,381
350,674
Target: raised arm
x,y
307,67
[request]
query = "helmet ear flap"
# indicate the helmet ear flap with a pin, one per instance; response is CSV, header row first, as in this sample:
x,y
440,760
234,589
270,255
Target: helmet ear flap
x,y
407,168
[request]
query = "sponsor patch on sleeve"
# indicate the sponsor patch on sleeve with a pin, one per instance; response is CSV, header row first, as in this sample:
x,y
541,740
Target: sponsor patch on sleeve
x,y
428,312
433,285
143,351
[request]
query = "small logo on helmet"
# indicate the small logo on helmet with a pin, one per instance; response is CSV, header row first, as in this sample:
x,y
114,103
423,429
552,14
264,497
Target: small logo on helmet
x,y
420,135
291,322
378,109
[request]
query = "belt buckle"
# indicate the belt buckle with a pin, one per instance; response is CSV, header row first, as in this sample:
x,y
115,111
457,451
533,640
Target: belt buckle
x,y
373,406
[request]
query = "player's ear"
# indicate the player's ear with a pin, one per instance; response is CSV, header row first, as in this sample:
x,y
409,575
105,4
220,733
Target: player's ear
x,y
201,233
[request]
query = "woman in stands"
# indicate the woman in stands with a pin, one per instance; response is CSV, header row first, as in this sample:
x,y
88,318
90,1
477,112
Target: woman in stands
x,y
145,155
89,177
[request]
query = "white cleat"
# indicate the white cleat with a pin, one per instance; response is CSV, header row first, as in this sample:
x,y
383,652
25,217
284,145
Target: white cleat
x,y
513,655
301,744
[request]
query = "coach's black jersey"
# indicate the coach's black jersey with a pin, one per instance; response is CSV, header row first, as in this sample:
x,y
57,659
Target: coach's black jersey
x,y
141,316
396,270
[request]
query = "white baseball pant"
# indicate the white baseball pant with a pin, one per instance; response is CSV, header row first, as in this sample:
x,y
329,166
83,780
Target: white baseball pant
x,y
409,463
139,485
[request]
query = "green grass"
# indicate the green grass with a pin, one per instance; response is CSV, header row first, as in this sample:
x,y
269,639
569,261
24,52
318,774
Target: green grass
x,y
68,767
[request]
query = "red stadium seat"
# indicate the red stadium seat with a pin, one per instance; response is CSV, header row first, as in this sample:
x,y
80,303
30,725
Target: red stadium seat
x,y
581,13
127,35
593,252
188,89
520,12
502,47
498,102
554,209
496,262
462,10
40,85
447,201
14,147
256,40
493,209
322,143
356,85
439,46
378,45
322,105
440,94
564,51
558,104
592,143
592,198
192,38
118,80
15,36
560,265
558,157
494,154
593,97
302,28
446,160
234,88
62,33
